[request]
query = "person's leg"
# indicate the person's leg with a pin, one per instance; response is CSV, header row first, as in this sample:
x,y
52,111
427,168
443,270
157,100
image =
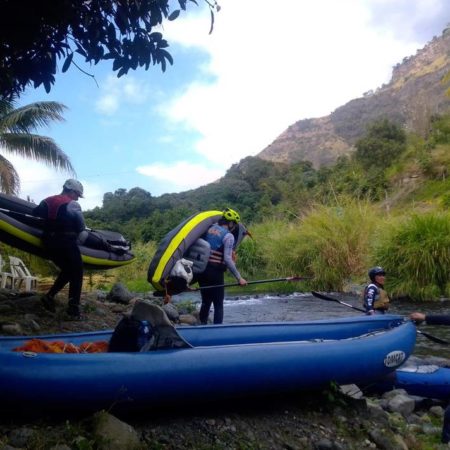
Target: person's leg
x,y
75,263
210,277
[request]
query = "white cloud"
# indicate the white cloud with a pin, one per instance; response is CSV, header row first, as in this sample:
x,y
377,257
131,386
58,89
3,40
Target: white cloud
x,y
39,181
181,175
116,92
276,63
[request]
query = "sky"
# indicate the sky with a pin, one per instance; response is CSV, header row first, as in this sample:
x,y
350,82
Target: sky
x,y
228,95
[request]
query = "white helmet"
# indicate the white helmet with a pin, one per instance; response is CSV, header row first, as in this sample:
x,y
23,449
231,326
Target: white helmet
x,y
74,185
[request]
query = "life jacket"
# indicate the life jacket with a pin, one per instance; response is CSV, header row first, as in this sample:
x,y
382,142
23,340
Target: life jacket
x,y
381,301
57,219
214,236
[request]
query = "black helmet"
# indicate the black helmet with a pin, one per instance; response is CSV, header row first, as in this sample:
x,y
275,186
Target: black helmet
x,y
374,271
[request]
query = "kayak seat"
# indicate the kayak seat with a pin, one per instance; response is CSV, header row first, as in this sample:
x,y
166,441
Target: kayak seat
x,y
165,336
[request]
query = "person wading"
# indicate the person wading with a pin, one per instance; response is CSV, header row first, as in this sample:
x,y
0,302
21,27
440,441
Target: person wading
x,y
376,300
64,222
220,238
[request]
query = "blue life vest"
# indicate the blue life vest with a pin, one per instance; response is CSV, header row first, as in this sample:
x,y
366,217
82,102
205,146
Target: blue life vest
x,y
214,236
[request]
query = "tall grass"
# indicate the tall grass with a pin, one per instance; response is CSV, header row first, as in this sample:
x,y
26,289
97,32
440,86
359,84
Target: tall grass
x,y
331,244
416,255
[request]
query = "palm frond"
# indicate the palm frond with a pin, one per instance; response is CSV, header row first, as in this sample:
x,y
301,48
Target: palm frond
x,y
38,148
29,117
9,179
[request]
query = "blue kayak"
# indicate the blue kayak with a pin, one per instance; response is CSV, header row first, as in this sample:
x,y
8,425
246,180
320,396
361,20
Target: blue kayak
x,y
225,361
423,380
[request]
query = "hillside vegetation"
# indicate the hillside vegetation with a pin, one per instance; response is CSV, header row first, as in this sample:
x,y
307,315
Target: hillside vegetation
x,y
386,204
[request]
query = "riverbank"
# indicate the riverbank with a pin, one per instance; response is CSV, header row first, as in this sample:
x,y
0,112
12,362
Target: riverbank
x,y
316,420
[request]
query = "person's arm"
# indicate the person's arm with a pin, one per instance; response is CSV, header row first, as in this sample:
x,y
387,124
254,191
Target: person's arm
x,y
40,210
228,243
74,210
431,319
369,299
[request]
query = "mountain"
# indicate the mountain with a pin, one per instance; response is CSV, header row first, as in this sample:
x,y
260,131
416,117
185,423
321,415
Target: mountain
x,y
413,95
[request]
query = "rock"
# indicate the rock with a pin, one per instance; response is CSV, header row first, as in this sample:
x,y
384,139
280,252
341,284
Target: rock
x,y
171,311
386,440
187,319
21,437
351,390
119,294
437,411
12,329
113,434
61,447
402,404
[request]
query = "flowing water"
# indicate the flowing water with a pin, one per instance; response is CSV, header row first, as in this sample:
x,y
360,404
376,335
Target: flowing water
x,y
299,306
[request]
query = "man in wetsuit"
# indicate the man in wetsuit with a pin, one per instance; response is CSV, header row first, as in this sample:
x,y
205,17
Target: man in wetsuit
x,y
375,298
64,221
220,238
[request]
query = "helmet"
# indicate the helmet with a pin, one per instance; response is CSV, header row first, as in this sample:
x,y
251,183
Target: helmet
x,y
74,185
231,215
374,271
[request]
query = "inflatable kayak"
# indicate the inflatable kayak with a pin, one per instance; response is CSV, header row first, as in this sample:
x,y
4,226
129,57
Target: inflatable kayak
x,y
185,241
19,228
421,379
223,361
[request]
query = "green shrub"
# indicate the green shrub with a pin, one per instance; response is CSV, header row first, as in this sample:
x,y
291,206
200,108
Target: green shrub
x,y
331,244
416,255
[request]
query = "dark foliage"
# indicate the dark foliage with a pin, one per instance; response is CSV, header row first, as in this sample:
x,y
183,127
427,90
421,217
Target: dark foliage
x,y
384,142
36,34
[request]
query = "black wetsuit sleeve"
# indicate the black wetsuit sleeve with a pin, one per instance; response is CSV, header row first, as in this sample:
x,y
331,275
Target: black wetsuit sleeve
x,y
40,210
438,319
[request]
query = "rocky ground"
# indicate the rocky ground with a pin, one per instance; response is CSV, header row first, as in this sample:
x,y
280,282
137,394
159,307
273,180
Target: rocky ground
x,y
319,420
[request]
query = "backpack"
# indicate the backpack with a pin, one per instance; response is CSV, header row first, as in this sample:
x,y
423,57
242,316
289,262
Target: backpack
x,y
130,335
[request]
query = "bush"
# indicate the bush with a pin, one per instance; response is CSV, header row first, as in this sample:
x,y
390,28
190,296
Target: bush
x,y
331,244
416,255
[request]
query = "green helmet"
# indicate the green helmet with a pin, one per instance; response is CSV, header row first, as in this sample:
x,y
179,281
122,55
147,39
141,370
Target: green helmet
x,y
231,215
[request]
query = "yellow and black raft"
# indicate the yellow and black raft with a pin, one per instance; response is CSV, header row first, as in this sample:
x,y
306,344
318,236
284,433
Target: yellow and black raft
x,y
184,242
101,249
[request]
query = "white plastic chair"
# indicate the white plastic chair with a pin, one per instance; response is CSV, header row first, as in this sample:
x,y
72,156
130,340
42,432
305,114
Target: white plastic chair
x,y
21,274
5,277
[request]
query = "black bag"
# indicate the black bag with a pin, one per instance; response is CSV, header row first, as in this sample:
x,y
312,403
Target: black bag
x,y
130,335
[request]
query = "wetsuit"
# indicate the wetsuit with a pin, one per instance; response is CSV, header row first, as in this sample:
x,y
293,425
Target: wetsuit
x,y
222,243
63,223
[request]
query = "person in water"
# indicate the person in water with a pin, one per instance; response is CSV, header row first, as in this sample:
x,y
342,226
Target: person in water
x,y
64,222
436,319
375,298
220,238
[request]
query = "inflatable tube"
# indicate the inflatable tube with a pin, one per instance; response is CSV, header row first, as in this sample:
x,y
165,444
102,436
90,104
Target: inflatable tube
x,y
21,230
185,241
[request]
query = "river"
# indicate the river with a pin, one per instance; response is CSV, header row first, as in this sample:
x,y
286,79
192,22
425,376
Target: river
x,y
302,306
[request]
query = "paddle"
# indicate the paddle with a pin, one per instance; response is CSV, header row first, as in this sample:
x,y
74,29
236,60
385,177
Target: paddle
x,y
332,299
273,280
173,288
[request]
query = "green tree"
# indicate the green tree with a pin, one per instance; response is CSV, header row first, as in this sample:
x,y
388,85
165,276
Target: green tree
x,y
17,137
35,35
383,143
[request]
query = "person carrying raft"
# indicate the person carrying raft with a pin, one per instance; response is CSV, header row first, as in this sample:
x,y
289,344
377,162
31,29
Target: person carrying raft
x,y
376,300
64,222
220,238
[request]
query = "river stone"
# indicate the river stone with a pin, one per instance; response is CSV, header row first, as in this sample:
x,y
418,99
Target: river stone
x,y
21,437
402,404
12,329
119,294
113,434
171,311
188,319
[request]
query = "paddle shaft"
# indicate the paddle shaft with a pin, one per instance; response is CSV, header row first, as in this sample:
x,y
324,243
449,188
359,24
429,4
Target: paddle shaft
x,y
331,299
273,280
21,214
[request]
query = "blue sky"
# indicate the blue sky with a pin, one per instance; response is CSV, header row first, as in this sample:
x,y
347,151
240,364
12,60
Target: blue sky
x,y
228,94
